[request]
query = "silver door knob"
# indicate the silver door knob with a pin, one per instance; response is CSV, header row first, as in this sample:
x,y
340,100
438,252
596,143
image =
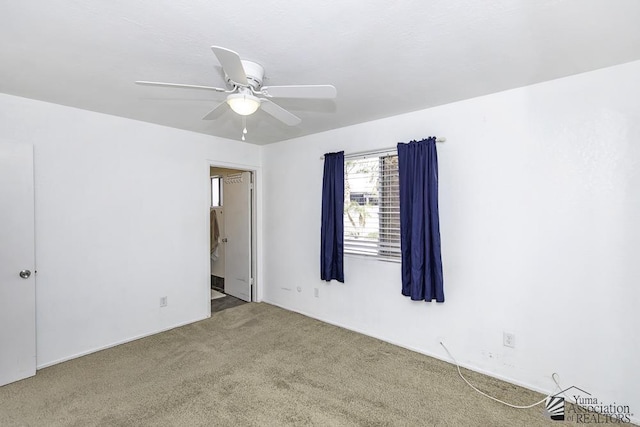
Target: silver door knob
x,y
25,274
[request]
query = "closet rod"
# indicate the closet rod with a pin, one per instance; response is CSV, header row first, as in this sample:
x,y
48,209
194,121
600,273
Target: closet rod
x,y
380,151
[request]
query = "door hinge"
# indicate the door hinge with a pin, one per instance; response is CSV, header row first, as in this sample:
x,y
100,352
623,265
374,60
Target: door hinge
x,y
251,186
251,281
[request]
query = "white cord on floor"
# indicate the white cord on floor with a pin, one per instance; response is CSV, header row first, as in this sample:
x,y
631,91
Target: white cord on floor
x,y
491,397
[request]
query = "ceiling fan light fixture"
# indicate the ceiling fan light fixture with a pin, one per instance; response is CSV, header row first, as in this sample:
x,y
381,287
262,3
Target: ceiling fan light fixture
x,y
243,103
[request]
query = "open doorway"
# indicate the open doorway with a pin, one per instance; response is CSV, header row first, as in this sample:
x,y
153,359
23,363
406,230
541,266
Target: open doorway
x,y
232,251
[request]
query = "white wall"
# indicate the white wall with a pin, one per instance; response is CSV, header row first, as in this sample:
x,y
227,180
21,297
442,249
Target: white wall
x,y
539,206
122,212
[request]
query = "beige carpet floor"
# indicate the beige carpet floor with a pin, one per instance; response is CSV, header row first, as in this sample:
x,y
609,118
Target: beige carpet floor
x,y
259,365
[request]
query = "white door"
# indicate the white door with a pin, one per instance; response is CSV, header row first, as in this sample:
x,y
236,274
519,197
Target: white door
x,y
237,229
17,264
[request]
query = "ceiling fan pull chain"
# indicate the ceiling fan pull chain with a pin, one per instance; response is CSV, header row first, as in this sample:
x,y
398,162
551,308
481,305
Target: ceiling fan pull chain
x,y
244,127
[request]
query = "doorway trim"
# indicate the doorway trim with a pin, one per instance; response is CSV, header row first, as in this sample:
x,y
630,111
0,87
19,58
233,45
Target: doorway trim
x,y
256,220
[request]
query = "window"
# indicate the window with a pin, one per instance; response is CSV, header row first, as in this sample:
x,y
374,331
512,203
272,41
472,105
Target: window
x,y
372,205
216,191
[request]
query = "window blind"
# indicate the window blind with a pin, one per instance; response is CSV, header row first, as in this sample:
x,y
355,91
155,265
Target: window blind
x,y
372,205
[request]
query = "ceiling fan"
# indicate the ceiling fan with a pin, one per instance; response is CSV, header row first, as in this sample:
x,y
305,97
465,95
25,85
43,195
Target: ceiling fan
x,y
246,93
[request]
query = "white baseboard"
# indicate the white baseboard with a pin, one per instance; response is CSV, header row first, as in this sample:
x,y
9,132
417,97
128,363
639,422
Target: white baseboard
x,y
417,350
94,350
634,419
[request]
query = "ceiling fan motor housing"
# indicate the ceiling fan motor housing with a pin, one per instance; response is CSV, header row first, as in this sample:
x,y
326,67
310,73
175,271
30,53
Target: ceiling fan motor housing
x,y
254,72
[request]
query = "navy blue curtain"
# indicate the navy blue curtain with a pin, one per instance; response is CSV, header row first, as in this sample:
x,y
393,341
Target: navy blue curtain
x,y
419,221
332,230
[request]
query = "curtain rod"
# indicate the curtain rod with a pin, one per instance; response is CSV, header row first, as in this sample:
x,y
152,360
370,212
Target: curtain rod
x,y
381,150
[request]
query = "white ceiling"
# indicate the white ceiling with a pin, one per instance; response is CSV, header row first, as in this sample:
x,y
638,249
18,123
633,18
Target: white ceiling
x,y
384,58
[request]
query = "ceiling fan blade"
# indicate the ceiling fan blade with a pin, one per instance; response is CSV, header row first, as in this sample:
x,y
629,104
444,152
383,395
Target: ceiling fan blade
x,y
215,113
231,64
300,91
179,85
279,113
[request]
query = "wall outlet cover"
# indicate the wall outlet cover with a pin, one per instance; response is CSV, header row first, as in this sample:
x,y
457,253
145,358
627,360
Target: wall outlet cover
x,y
509,339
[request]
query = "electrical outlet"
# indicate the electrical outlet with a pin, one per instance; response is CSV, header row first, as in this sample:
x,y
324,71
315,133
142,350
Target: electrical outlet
x,y
508,339
163,301
316,292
